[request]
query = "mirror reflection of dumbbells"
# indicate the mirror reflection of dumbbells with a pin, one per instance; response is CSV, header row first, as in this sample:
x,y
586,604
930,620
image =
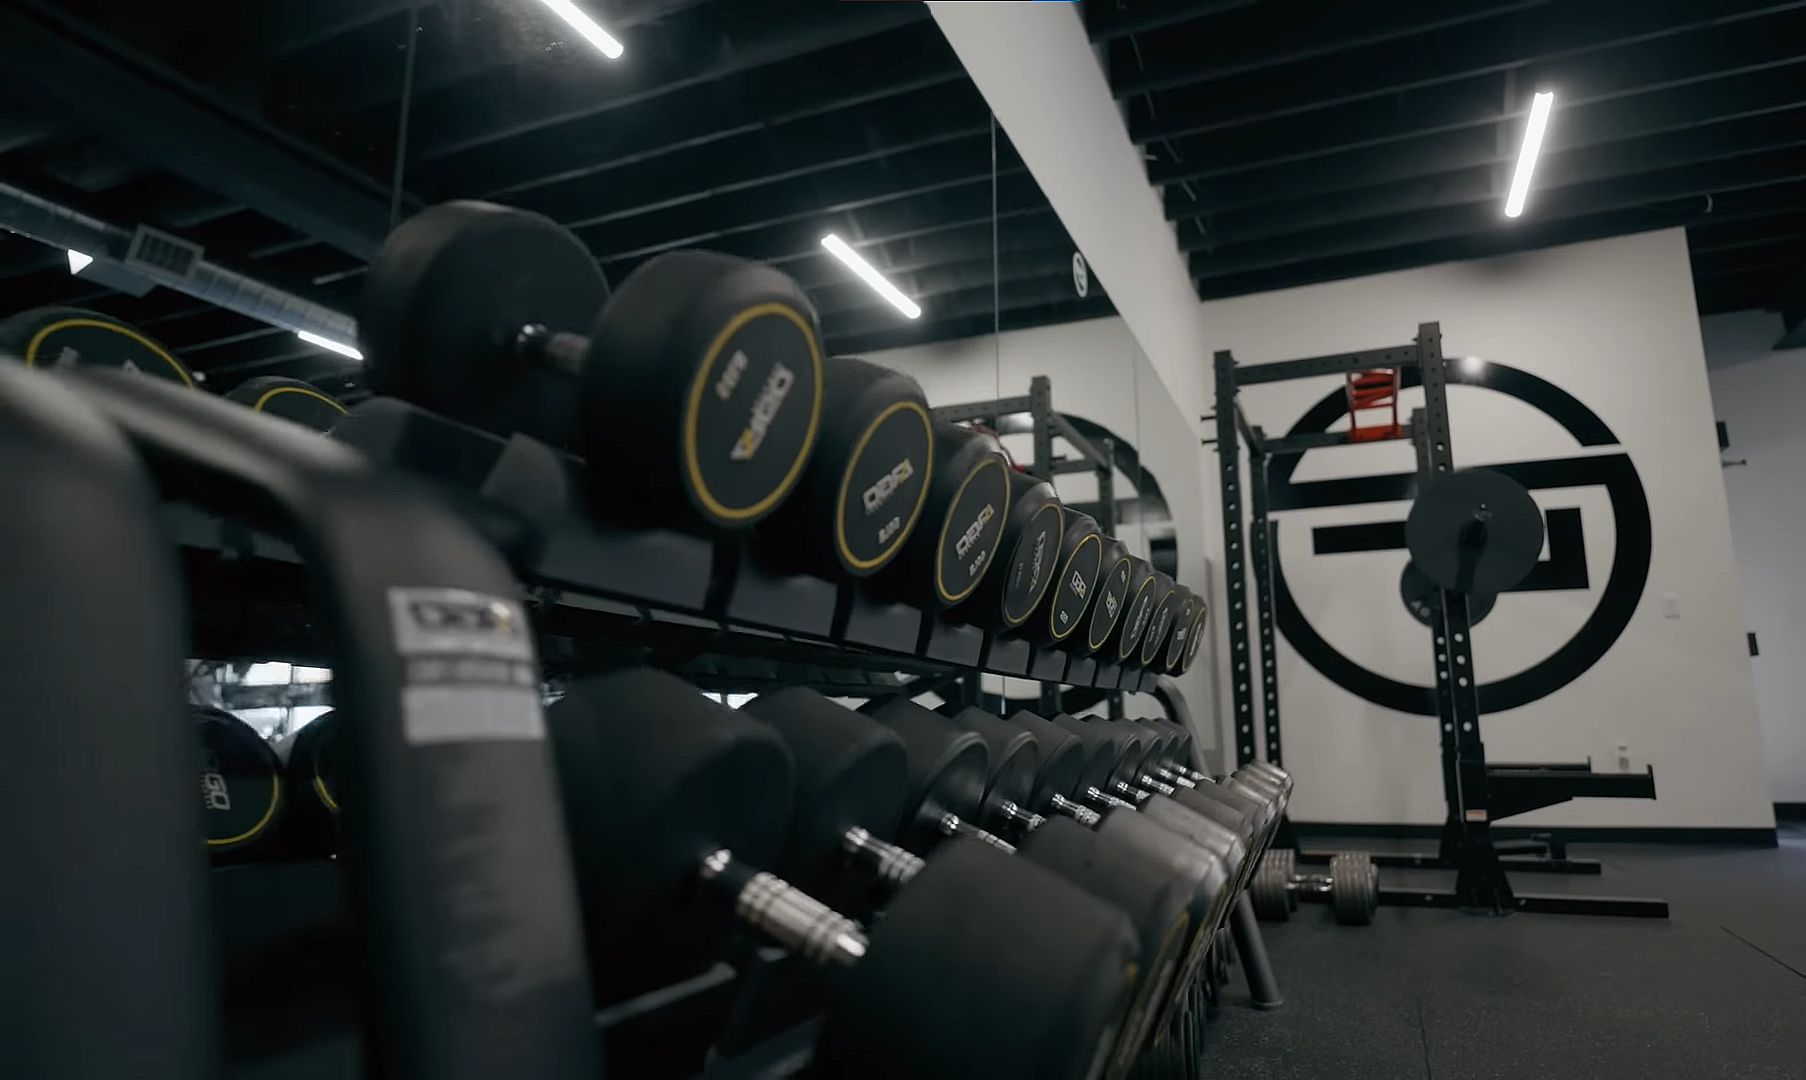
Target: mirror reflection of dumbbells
x,y
1351,887
675,806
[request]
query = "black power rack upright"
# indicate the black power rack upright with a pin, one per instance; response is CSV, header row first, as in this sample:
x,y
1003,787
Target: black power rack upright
x,y
1477,794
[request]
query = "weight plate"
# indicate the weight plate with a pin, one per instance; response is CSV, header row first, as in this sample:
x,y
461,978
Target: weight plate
x,y
1474,531
1419,594
1112,592
72,337
719,359
883,487
1142,593
241,780
969,532
1078,577
1354,891
1270,889
444,303
290,399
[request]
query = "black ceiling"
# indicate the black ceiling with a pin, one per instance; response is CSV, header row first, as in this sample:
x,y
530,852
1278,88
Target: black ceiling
x,y
268,133
1294,141
1307,140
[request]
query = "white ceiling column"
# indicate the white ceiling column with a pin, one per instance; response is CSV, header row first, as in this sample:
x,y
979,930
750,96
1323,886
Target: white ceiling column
x,y
1035,66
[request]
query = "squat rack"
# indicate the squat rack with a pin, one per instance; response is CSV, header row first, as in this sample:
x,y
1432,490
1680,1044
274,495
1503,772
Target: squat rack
x,y
1476,794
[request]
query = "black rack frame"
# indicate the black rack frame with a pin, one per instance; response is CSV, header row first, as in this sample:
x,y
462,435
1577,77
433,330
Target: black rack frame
x,y
1476,794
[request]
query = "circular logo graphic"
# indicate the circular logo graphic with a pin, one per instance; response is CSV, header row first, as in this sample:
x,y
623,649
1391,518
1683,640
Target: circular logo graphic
x,y
1564,569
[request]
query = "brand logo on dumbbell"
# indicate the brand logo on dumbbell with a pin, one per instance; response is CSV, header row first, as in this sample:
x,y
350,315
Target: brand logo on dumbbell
x,y
1079,588
489,616
764,408
964,544
1110,605
1034,565
879,493
214,793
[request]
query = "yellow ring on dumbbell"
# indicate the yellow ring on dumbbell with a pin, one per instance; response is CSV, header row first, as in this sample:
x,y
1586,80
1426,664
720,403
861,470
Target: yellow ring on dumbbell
x,y
846,480
947,523
257,406
262,822
693,410
31,347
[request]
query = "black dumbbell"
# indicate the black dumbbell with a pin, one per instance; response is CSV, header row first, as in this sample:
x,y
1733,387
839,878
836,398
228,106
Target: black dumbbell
x,y
1028,558
310,771
1160,622
1204,855
954,790
694,392
56,337
963,510
1058,619
1111,605
1185,615
861,497
672,801
290,399
1137,611
241,785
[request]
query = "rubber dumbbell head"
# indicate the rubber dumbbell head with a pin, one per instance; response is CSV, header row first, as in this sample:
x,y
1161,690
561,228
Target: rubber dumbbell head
x,y
56,337
968,497
948,766
1160,620
1110,607
310,772
241,784
290,399
1138,611
1028,554
1185,614
1061,615
696,399
1015,765
861,498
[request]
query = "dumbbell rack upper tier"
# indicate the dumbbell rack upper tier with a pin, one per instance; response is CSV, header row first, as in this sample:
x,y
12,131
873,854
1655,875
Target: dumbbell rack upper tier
x,y
604,592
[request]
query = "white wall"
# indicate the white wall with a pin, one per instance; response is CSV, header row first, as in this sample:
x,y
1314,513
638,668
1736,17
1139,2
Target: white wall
x,y
1613,323
1097,373
1761,396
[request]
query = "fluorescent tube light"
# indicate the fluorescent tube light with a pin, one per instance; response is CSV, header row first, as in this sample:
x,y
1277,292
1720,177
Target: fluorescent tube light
x,y
870,276
78,261
586,26
328,343
1533,143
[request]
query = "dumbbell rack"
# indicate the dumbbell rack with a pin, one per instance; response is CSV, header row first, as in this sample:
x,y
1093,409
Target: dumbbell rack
x,y
700,607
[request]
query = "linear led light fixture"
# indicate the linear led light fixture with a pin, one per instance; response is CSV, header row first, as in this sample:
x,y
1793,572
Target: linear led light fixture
x,y
1533,144
586,26
858,265
328,343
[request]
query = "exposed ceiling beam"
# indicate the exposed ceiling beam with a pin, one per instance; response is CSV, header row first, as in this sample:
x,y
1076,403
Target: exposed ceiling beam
x,y
772,227
1582,123
796,155
1035,66
1469,232
1736,150
1119,19
1645,33
163,118
1244,42
443,123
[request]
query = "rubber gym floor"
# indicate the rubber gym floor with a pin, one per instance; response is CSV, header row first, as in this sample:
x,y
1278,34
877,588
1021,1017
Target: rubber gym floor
x,y
1718,990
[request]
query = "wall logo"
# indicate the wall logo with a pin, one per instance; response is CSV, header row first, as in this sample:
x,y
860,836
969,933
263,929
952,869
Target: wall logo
x,y
1564,569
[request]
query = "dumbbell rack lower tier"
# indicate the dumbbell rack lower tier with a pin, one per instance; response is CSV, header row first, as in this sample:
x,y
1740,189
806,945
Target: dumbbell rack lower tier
x,y
600,591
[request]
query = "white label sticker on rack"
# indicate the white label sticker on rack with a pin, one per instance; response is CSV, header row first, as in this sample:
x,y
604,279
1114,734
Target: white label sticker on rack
x,y
468,666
